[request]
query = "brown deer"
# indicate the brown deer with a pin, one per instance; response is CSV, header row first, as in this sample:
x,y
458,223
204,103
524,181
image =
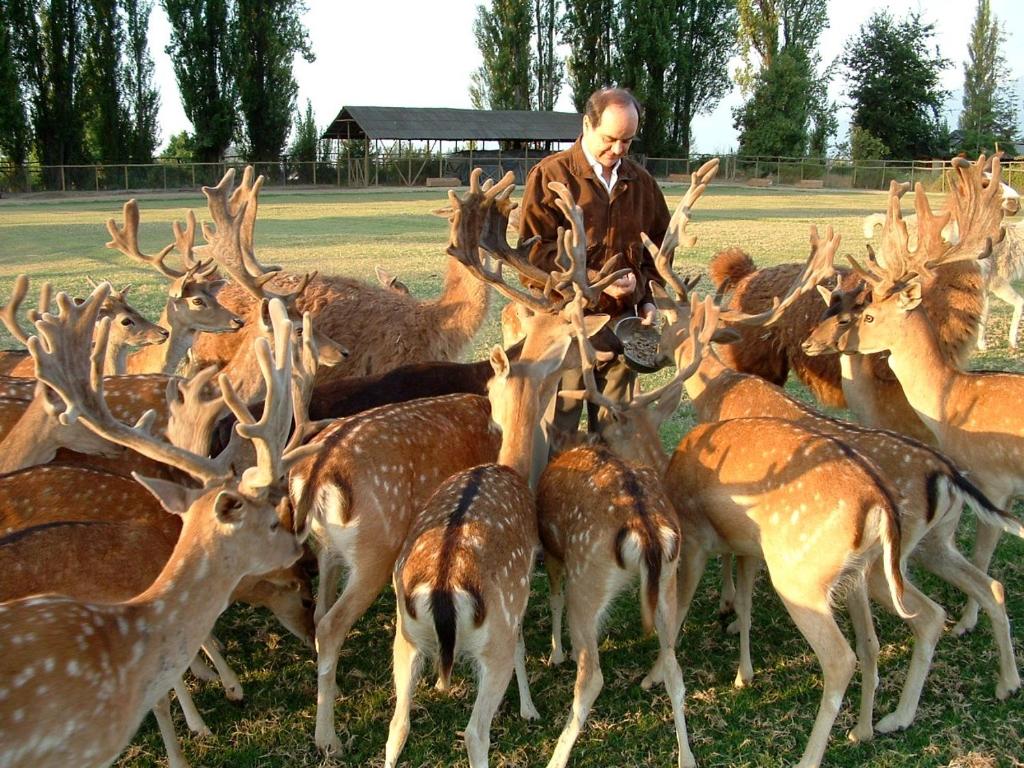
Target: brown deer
x,y
231,528
128,329
470,550
191,305
953,299
965,411
384,328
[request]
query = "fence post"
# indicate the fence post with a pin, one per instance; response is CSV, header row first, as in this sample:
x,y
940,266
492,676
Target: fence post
x,y
778,170
63,182
165,178
97,178
193,175
757,167
882,185
853,184
314,173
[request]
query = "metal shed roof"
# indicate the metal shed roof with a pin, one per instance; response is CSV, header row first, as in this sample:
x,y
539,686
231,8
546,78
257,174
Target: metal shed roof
x,y
421,123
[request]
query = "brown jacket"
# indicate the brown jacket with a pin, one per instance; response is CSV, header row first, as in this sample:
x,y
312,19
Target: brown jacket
x,y
613,224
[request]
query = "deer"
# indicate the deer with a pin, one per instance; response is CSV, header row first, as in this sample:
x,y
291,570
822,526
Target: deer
x,y
470,550
379,467
385,328
191,306
953,301
129,328
231,527
965,411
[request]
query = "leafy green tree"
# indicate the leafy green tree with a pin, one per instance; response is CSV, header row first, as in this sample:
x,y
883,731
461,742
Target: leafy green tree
x,y
774,121
865,146
589,28
268,35
105,113
503,35
181,146
15,135
305,136
703,33
548,69
142,97
893,74
200,48
645,58
989,114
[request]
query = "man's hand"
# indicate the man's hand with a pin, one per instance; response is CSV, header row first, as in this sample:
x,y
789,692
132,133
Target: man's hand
x,y
649,314
622,287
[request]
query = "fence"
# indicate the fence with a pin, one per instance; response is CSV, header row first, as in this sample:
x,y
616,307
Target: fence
x,y
412,169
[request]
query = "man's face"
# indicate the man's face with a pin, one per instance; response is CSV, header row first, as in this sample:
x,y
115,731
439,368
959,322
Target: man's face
x,y
609,140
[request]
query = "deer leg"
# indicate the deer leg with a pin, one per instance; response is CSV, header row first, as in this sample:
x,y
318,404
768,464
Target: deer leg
x,y
496,666
747,568
193,719
692,562
813,617
162,713
406,671
527,710
363,585
727,598
201,671
1004,290
556,590
942,558
228,678
867,654
668,664
984,547
983,321
330,568
927,622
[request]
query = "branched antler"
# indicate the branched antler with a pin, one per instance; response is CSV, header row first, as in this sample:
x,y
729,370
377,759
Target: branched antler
x,y
126,240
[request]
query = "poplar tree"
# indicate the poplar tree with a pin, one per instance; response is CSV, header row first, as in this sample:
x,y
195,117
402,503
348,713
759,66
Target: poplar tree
x,y
989,114
503,34
142,98
589,28
548,69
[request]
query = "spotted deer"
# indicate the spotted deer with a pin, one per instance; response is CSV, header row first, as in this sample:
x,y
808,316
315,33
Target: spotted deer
x,y
462,580
113,662
128,327
966,411
191,306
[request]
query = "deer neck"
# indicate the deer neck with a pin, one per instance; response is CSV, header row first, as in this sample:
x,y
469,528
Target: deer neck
x,y
115,362
166,357
175,615
30,441
923,371
711,370
462,306
243,369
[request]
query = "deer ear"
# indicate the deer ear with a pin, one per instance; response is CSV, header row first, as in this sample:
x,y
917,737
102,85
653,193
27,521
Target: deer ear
x,y
825,294
174,498
499,361
551,362
228,507
726,336
910,296
594,323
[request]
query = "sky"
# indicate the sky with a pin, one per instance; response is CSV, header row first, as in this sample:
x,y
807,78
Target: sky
x,y
419,54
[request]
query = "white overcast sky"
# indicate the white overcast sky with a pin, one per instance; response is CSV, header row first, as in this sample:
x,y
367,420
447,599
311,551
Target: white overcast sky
x,y
419,54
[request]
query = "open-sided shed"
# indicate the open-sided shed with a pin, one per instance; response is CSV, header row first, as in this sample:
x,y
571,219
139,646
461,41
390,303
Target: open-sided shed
x,y
386,128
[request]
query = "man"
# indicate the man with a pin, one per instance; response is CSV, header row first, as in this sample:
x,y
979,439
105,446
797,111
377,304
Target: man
x,y
620,199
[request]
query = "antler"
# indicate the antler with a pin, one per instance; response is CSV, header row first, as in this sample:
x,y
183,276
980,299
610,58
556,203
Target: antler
x,y
126,240
191,415
61,363
9,312
676,233
820,266
230,242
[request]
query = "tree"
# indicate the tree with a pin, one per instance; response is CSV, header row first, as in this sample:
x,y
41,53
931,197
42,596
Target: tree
x,y
14,127
589,29
181,146
989,114
268,35
865,146
548,69
305,137
801,118
893,74
200,48
704,32
142,98
105,114
774,120
644,59
503,37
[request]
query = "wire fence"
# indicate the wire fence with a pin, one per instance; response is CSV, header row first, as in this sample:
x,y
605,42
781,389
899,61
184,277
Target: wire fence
x,y
416,169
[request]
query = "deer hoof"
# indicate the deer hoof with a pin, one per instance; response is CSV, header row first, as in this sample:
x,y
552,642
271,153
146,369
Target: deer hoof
x,y
861,733
556,658
529,713
891,723
329,745
1003,691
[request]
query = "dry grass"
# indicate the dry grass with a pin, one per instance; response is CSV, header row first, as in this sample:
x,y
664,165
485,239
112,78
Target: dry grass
x,y
959,724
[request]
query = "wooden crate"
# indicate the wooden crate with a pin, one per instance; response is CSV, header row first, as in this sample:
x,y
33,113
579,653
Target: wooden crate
x,y
764,182
443,181
810,184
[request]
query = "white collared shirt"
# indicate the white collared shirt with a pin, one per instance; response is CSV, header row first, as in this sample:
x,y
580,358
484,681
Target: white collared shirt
x,y
599,169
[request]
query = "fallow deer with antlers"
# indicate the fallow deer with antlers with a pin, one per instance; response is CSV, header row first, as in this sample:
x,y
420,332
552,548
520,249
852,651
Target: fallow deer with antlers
x,y
114,662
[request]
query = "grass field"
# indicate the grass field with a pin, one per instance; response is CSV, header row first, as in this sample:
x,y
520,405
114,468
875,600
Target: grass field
x,y
959,723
